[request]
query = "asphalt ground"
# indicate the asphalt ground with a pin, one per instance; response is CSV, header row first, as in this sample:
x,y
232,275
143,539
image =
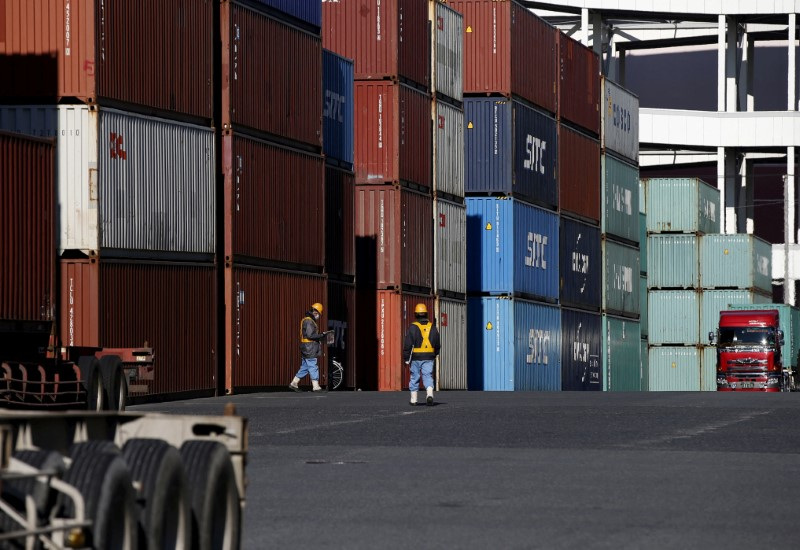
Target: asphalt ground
x,y
518,470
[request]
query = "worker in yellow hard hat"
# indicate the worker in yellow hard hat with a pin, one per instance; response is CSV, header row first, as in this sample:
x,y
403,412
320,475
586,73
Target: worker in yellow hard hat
x,y
420,348
310,348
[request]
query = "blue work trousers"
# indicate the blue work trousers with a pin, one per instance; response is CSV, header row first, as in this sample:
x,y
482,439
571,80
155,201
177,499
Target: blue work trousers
x,y
426,368
309,366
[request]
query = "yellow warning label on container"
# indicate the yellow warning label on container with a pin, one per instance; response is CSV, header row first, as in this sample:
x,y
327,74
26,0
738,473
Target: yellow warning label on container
x,y
469,28
674,364
726,252
489,226
469,126
489,326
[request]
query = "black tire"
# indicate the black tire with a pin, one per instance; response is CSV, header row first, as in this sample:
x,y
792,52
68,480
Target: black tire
x,y
216,515
93,446
165,521
114,383
92,382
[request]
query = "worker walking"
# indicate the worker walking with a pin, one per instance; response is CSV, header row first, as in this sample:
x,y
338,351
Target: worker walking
x,y
420,348
310,348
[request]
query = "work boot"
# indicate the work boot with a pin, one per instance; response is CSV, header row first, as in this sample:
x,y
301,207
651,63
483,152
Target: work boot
x,y
315,386
429,398
413,401
293,385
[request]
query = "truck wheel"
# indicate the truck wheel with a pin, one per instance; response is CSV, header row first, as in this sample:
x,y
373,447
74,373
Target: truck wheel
x,y
93,446
114,383
165,521
15,491
216,519
92,382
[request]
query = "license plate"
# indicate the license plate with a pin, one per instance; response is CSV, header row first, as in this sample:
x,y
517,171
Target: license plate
x,y
747,385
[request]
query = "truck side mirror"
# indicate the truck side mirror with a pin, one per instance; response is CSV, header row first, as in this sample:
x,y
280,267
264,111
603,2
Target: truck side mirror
x,y
712,337
780,337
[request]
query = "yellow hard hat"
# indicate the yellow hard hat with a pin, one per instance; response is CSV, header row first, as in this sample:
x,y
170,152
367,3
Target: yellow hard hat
x,y
421,308
317,306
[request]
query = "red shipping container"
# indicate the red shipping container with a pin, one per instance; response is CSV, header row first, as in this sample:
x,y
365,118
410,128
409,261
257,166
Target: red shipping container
x,y
385,38
273,203
340,231
579,174
154,54
169,306
508,51
393,134
394,238
341,313
271,76
263,310
579,84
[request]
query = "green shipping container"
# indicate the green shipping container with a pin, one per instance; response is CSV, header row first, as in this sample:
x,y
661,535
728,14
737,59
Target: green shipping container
x,y
714,301
643,304
642,197
673,261
682,205
643,243
620,199
620,279
674,368
643,361
620,351
790,324
708,369
673,317
735,261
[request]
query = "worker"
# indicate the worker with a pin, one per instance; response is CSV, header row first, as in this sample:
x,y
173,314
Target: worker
x,y
420,348
310,348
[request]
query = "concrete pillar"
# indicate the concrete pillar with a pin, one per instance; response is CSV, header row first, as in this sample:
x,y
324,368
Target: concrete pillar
x,y
751,99
790,225
731,81
791,84
584,38
597,35
745,71
746,210
726,183
621,68
721,63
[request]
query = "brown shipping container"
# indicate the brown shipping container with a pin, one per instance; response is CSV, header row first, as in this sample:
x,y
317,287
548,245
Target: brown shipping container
x,y
509,51
169,306
154,54
274,207
394,237
385,38
341,313
579,84
262,325
27,228
271,76
579,173
394,139
340,230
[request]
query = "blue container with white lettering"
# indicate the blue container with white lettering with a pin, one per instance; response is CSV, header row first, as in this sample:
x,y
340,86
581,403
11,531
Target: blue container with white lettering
x,y
513,344
512,248
580,265
510,149
337,109
581,346
303,12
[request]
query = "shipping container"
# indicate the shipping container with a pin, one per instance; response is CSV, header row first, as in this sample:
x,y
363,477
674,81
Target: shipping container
x,y
125,181
578,174
619,197
274,203
448,150
511,149
508,51
168,306
340,219
307,12
513,344
155,57
581,346
338,111
714,301
789,318
341,314
675,368
447,51
619,115
643,307
450,247
393,141
682,205
644,361
512,248
674,261
708,368
394,237
451,319
735,261
643,198
621,345
673,317
620,279
266,93
580,264
387,39
579,84
643,248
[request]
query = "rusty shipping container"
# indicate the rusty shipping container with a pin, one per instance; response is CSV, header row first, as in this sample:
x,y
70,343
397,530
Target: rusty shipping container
x,y
27,228
274,203
387,39
271,76
341,313
394,237
579,174
172,307
393,140
151,54
263,309
340,230
508,51
579,84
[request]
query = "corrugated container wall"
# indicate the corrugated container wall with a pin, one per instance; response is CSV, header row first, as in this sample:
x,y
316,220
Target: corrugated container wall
x,y
644,361
511,149
393,139
386,38
154,55
643,305
447,51
512,248
450,247
581,347
674,369
714,301
699,206
620,198
448,150
451,320
341,313
513,344
509,51
620,279
579,84
28,226
619,115
578,174
735,261
708,368
340,219
789,317
673,317
674,261
306,11
580,265
643,244
338,110
620,354
267,93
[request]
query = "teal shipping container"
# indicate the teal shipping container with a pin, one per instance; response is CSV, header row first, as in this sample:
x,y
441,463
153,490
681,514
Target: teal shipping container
x,y
674,368
681,205
735,261
620,279
643,312
708,369
619,200
644,362
790,324
714,301
673,261
642,243
620,354
673,317
642,197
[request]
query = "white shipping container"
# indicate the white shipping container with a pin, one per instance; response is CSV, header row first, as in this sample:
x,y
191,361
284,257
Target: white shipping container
x,y
448,149
451,319
620,120
447,53
450,242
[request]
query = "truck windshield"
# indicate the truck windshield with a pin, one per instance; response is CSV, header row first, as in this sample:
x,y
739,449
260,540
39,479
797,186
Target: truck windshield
x,y
746,336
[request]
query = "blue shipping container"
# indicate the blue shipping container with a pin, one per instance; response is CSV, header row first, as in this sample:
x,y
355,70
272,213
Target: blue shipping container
x,y
511,149
337,108
306,11
580,265
513,344
512,248
581,347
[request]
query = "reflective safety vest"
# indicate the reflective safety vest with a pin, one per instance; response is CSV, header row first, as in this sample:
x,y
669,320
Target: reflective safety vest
x,y
303,338
425,346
